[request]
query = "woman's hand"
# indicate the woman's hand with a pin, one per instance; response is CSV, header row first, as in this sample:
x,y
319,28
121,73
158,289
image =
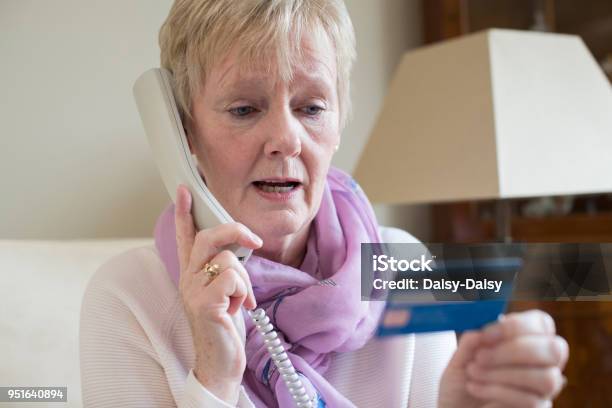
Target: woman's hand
x,y
212,306
515,362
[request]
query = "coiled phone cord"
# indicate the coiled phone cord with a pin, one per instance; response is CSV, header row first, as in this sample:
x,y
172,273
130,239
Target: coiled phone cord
x,y
281,359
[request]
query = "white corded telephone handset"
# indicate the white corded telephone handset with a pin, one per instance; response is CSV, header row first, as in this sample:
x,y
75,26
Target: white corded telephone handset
x,y
154,96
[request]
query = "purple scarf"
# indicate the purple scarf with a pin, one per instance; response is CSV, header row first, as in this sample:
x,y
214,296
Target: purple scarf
x,y
313,320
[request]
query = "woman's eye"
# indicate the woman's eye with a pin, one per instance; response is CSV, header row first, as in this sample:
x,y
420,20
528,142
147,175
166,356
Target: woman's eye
x,y
312,110
241,111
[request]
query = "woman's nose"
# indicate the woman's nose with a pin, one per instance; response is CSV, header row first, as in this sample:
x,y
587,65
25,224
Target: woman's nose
x,y
283,132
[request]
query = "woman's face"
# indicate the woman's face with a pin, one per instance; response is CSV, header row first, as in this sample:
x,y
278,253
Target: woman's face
x,y
264,145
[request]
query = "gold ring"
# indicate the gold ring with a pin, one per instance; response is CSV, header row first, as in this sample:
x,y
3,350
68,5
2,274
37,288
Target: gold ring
x,y
212,271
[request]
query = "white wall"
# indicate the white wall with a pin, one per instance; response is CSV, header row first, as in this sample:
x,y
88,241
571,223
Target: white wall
x,y
73,158
384,30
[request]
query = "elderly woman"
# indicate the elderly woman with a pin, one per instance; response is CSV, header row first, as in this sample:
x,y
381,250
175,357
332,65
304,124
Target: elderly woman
x,y
263,86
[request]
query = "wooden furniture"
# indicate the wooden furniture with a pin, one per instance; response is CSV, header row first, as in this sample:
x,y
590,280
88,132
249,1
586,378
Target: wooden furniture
x,y
590,19
586,325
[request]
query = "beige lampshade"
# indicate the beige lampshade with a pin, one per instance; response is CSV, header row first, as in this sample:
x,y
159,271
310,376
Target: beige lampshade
x,y
496,114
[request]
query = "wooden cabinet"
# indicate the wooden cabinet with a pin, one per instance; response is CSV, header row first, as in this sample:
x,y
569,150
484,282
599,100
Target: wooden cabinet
x,y
586,325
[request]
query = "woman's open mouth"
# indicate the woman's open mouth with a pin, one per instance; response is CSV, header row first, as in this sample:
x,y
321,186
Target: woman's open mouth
x,y
277,189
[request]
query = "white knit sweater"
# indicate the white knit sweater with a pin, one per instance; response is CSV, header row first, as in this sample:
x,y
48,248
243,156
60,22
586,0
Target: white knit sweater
x,y
136,347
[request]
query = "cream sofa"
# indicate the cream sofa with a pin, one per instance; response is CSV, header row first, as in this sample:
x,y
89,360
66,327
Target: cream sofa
x,y
40,299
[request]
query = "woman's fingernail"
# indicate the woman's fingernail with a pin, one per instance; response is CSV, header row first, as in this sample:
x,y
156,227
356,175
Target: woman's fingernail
x,y
189,198
183,203
256,239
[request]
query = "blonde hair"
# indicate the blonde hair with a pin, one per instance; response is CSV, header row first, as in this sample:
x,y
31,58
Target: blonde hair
x,y
199,33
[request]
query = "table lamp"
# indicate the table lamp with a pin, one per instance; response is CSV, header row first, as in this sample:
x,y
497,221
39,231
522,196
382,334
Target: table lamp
x,y
498,114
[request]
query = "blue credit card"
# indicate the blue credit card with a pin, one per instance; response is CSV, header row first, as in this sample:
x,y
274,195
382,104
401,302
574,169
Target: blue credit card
x,y
404,317
456,316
